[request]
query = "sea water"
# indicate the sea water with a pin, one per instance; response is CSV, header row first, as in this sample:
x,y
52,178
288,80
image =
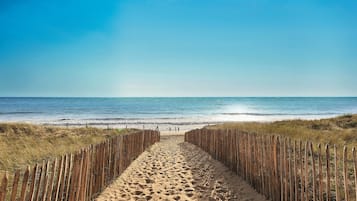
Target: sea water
x,y
169,113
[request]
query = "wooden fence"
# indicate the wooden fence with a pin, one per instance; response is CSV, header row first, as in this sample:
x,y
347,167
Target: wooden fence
x,y
79,176
281,168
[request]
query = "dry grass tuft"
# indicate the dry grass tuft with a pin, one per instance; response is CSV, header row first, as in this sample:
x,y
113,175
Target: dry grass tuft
x,y
26,144
341,130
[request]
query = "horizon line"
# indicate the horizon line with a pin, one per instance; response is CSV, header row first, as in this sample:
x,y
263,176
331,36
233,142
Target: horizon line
x,y
178,96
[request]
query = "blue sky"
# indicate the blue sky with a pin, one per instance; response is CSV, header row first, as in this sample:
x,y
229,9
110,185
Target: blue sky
x,y
178,48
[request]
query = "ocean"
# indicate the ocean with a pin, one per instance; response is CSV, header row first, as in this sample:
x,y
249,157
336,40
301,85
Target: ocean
x,y
168,113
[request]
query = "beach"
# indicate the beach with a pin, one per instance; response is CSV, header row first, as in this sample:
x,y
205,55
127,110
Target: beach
x,y
171,169
176,170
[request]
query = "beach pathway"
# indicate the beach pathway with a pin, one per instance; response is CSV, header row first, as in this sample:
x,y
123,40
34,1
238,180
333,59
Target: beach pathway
x,y
175,170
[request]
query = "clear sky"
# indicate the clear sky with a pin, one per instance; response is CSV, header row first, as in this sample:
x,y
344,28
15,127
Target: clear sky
x,y
178,48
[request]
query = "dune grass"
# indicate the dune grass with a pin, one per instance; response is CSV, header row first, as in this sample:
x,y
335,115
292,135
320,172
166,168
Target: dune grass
x,y
340,130
25,144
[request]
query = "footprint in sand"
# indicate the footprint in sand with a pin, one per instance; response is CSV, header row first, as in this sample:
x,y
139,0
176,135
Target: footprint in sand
x,y
176,170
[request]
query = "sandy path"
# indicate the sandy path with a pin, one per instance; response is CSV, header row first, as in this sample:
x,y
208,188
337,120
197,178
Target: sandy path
x,y
175,170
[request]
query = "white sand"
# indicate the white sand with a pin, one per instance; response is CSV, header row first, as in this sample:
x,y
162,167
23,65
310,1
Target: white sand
x,y
172,133
176,170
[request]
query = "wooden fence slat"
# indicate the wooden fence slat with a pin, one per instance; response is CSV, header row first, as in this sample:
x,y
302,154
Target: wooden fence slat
x,y
3,187
74,178
58,177
320,173
86,175
313,172
61,195
296,187
80,166
336,175
50,186
24,184
328,185
262,165
285,170
15,185
291,174
89,174
345,176
44,183
270,162
38,184
306,162
102,163
83,175
68,176
302,172
33,183
355,169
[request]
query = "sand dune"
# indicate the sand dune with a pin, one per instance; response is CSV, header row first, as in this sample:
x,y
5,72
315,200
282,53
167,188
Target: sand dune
x,y
175,170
